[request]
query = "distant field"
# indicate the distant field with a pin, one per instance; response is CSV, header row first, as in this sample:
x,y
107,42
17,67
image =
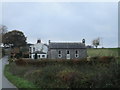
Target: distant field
x,y
103,52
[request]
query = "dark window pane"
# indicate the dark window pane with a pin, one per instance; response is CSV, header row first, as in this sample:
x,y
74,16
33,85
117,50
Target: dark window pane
x,y
76,52
68,52
59,52
43,55
33,49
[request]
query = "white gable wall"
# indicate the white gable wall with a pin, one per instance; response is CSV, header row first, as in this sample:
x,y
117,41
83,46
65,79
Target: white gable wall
x,y
38,47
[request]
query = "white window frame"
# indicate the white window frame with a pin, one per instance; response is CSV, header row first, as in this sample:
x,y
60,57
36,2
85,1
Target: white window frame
x,y
59,55
68,55
33,56
33,49
76,54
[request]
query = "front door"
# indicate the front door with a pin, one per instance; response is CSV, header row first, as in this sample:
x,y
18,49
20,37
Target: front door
x,y
68,56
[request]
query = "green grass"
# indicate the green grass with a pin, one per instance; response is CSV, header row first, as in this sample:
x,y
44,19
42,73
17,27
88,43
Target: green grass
x,y
103,52
17,81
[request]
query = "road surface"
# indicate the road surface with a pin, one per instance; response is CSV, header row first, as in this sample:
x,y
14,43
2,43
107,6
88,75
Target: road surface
x,y
6,85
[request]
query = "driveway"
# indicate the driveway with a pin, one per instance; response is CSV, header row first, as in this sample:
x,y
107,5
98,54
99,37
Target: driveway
x,y
5,83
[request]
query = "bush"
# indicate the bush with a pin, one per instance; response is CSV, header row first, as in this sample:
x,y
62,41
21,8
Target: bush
x,y
47,77
68,74
21,62
45,62
106,59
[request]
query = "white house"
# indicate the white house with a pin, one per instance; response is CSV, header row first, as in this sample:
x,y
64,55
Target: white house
x,y
38,50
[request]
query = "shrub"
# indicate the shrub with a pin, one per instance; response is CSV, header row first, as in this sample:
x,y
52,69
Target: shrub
x,y
21,62
74,79
47,77
33,75
106,59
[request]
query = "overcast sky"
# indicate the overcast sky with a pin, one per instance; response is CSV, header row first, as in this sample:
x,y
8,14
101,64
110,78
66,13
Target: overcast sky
x,y
64,21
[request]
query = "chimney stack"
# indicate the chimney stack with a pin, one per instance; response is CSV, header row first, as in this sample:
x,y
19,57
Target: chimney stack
x,y
38,41
83,41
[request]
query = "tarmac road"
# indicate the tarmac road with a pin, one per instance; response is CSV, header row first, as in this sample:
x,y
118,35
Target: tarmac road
x,y
6,85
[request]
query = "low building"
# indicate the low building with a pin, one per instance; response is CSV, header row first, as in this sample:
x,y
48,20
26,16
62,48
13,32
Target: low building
x,y
38,50
66,50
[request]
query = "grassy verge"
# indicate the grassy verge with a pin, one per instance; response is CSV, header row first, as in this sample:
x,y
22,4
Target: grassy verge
x,y
17,81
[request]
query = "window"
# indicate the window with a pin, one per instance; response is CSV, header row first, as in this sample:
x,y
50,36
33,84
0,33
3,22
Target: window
x,y
33,49
68,52
43,56
76,54
59,54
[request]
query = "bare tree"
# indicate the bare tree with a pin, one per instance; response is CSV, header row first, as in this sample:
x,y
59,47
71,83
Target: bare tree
x,y
96,42
3,29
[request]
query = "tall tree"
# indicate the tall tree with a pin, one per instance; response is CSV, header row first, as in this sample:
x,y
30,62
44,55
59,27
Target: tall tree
x,y
96,42
14,38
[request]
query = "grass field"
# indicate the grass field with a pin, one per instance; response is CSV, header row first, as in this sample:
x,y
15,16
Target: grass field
x,y
68,74
103,52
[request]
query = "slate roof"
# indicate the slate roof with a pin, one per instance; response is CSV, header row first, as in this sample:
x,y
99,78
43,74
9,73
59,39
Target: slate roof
x,y
66,45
